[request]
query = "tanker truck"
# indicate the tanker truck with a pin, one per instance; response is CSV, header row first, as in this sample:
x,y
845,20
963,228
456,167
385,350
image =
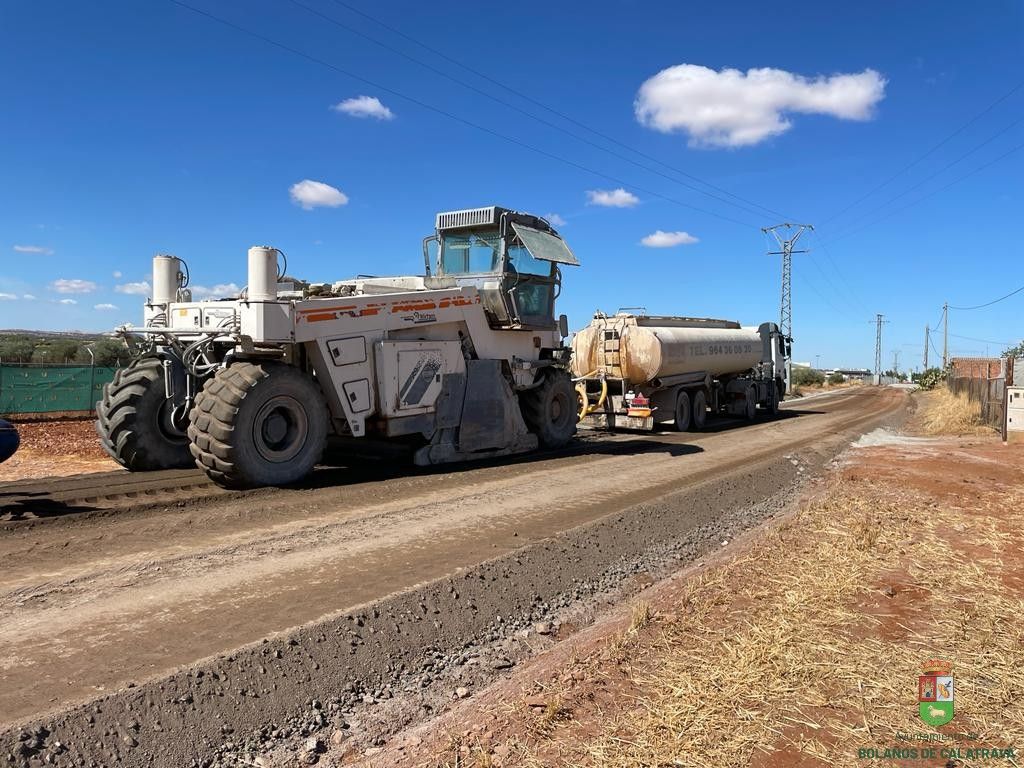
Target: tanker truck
x,y
637,371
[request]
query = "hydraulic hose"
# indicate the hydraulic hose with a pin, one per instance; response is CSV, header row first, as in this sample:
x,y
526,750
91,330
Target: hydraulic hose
x,y
584,398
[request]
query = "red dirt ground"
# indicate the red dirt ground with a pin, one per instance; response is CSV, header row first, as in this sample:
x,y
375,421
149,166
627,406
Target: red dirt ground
x,y
553,708
56,448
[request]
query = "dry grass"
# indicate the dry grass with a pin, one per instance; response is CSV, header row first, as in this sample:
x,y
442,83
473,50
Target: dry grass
x,y
464,752
802,650
642,614
945,413
553,713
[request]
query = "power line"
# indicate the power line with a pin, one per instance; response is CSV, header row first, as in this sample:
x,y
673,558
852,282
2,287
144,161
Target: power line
x,y
983,341
542,105
509,105
452,116
939,172
931,151
921,199
842,278
988,303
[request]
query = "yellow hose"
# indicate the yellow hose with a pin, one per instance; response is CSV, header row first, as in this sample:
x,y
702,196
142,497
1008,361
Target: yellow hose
x,y
584,398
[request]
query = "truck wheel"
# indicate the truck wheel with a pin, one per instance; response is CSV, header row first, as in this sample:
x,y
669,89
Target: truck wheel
x,y
700,410
258,424
549,409
135,419
750,404
683,411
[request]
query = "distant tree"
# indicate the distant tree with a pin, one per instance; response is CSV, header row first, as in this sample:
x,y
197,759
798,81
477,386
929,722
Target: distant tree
x,y
1016,351
836,378
55,351
803,377
108,352
16,348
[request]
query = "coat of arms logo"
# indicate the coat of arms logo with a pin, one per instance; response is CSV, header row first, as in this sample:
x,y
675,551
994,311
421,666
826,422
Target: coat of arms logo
x,y
935,692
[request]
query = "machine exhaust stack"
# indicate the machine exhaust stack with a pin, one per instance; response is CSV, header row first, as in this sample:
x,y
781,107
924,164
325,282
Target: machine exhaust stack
x,y
167,278
262,273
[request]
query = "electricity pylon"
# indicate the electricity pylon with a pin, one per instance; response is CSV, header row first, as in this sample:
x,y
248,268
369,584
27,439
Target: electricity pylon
x,y
786,305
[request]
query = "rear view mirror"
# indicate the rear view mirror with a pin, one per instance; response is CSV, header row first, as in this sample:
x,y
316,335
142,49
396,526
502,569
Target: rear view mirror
x,y
563,326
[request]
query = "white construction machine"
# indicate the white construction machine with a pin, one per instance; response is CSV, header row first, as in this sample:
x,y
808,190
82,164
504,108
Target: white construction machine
x,y
466,361
637,371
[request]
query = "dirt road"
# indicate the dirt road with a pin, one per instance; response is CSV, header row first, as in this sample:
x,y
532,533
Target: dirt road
x,y
93,602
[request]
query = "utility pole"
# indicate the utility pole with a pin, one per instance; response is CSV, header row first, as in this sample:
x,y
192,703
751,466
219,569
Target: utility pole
x,y
896,363
945,335
878,348
927,341
786,305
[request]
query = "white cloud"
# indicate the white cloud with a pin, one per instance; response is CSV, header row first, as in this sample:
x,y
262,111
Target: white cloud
x,y
37,249
8,297
117,274
661,239
29,297
64,285
105,306
612,198
555,220
219,291
732,108
140,288
364,106
68,301
315,194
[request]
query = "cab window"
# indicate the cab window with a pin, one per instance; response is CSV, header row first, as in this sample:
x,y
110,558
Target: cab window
x,y
524,263
471,254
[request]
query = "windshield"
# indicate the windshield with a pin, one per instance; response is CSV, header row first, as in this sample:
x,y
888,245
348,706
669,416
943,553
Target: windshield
x,y
464,254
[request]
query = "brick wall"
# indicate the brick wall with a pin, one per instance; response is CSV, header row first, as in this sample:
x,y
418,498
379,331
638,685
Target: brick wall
x,y
977,367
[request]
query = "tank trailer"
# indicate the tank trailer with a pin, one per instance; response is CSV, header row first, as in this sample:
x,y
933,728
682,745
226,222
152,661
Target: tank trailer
x,y
467,360
636,371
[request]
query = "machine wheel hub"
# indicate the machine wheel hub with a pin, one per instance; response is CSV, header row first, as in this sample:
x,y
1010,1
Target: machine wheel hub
x,y
280,429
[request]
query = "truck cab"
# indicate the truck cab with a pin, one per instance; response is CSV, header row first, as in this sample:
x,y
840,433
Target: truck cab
x,y
512,258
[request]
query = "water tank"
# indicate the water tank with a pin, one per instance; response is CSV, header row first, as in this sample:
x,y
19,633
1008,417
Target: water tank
x,y
167,278
262,273
642,349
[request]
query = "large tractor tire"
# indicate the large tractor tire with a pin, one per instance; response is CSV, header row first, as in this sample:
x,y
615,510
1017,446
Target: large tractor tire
x,y
135,419
9,440
258,424
550,409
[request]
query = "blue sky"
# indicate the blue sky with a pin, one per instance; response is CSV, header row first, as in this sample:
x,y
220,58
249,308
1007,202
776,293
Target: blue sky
x,y
131,128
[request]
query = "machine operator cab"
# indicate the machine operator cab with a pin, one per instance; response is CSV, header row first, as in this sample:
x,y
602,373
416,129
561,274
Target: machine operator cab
x,y
511,258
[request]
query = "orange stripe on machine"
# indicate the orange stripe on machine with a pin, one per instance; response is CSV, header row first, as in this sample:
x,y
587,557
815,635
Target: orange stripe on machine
x,y
416,306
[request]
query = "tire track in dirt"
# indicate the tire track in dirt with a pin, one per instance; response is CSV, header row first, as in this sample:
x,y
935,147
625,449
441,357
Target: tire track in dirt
x,y
325,558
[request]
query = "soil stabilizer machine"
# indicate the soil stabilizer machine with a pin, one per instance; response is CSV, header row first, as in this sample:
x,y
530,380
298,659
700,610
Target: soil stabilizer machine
x,y
466,361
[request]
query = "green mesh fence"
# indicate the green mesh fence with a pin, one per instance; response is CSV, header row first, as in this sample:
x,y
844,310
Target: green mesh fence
x,y
51,388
